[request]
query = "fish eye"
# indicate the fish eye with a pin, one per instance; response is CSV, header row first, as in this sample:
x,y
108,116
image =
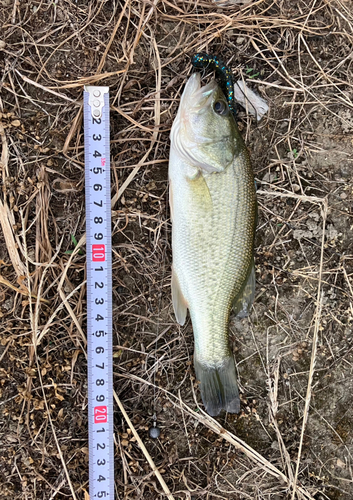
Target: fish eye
x,y
220,107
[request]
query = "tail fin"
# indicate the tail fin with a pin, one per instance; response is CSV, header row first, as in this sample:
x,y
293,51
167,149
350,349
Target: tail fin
x,y
219,388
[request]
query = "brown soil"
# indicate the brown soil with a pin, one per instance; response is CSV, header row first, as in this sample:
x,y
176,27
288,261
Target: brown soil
x,y
294,354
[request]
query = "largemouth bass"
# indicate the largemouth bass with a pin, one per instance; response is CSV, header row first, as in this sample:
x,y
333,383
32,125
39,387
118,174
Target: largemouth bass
x,y
213,211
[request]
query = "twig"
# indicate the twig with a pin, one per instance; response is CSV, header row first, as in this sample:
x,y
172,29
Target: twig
x,y
6,217
157,108
143,448
54,433
88,80
75,124
47,89
23,290
314,349
104,56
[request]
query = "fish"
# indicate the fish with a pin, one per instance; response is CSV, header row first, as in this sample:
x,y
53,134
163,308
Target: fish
x,y
213,210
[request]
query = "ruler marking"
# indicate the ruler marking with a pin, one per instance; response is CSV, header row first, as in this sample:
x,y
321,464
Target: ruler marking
x,y
99,295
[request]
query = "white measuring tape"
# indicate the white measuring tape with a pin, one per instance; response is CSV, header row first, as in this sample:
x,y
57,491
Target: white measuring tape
x,y
99,292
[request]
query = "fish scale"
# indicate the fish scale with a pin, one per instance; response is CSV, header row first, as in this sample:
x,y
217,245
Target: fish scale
x,y
206,276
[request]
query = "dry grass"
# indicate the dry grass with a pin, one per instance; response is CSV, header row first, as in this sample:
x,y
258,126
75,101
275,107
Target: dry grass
x,y
292,438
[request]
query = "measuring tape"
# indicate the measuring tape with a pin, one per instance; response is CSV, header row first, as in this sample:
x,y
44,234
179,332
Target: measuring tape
x,y
99,292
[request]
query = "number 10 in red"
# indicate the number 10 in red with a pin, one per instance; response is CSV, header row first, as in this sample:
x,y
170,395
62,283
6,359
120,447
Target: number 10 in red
x,y
98,253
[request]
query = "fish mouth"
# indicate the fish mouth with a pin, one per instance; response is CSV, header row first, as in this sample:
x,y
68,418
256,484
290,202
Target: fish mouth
x,y
204,94
196,96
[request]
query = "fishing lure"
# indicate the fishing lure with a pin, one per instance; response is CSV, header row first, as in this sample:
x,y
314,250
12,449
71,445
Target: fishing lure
x,y
202,60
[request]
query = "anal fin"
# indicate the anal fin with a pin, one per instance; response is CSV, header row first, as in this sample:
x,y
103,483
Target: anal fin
x,y
243,301
179,302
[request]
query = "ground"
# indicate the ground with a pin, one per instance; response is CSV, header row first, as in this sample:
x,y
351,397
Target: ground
x,y
293,436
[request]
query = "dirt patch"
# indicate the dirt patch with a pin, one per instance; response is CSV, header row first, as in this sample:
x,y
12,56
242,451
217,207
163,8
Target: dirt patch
x,y
296,56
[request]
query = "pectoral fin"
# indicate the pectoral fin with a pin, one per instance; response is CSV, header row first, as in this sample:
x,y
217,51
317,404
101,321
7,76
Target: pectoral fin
x,y
179,302
243,302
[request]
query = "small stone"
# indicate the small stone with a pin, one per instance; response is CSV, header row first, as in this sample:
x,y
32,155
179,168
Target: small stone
x,y
296,188
343,196
16,123
240,40
2,44
275,445
11,439
154,432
